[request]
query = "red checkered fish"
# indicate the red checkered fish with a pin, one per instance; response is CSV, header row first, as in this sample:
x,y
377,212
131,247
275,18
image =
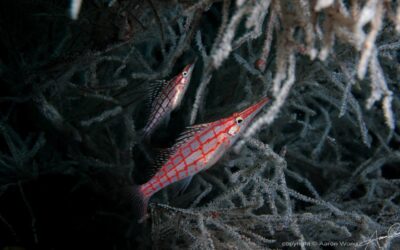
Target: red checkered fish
x,y
167,99
197,149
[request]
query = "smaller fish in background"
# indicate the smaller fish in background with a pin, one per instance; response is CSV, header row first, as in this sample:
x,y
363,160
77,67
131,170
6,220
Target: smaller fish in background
x,y
167,98
198,148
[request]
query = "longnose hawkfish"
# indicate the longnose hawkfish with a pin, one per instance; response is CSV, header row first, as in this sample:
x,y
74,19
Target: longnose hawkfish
x,y
198,148
167,98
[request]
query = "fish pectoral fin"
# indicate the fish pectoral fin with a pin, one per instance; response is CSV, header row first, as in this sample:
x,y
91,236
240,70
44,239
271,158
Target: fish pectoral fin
x,y
183,184
218,153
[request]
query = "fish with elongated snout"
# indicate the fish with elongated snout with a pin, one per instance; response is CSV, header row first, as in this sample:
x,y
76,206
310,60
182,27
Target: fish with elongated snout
x,y
198,148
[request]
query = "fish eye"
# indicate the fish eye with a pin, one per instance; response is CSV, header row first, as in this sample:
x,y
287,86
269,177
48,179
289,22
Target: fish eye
x,y
185,74
239,120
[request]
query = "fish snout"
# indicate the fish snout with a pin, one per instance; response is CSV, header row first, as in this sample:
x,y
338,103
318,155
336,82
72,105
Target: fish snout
x,y
249,113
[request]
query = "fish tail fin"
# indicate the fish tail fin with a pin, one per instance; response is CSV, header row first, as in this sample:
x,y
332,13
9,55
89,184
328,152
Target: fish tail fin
x,y
139,202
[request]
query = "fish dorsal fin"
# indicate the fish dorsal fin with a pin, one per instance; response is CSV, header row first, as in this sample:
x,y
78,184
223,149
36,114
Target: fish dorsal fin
x,y
158,161
163,155
188,133
154,88
151,161
161,158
